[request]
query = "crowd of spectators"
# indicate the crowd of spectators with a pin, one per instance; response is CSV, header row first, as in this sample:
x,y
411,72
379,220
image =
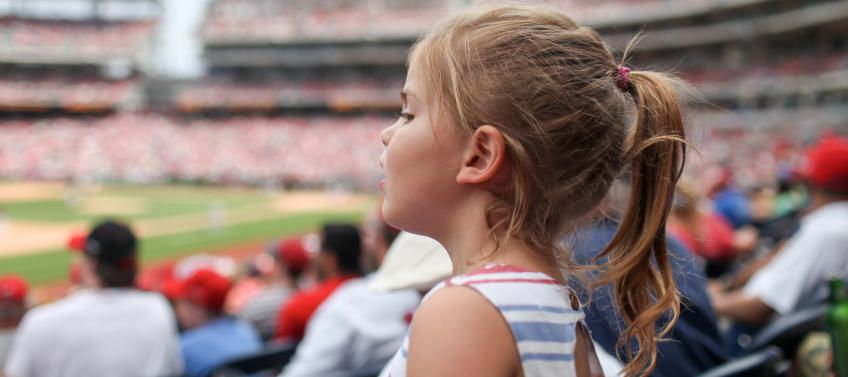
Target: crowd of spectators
x,y
277,21
332,94
761,70
69,38
149,148
710,77
734,239
142,148
238,20
184,319
64,94
365,92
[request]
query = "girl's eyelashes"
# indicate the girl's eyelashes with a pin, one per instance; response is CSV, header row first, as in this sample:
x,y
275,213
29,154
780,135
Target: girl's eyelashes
x,y
407,116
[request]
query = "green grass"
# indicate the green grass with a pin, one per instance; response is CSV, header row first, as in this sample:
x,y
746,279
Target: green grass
x,y
165,201
52,265
159,201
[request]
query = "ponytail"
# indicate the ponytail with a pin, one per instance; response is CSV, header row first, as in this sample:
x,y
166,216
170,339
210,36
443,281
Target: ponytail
x,y
638,263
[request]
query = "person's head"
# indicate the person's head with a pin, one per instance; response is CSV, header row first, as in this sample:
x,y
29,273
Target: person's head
x,y
685,207
341,247
13,300
825,170
200,298
527,112
377,236
291,258
109,256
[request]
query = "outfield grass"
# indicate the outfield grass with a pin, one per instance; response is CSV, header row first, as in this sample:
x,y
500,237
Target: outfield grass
x,y
165,202
53,265
158,201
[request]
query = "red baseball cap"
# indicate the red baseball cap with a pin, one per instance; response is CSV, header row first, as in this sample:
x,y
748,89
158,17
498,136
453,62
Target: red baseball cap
x,y
77,242
13,287
171,289
205,288
826,164
293,254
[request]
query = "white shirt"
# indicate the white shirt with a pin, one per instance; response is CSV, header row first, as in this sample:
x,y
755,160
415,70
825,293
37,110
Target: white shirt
x,y
98,332
796,277
6,337
354,328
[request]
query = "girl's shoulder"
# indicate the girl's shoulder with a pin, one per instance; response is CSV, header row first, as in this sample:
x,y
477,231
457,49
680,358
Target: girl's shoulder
x,y
541,315
512,288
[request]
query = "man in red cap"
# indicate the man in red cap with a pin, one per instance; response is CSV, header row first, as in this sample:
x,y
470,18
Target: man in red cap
x,y
357,327
106,328
336,263
13,292
290,260
796,277
210,338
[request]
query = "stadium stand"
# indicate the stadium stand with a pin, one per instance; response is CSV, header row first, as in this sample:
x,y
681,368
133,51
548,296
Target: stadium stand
x,y
76,56
276,65
142,148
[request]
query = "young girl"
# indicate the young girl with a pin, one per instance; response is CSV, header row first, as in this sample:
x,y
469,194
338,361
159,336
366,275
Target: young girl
x,y
515,122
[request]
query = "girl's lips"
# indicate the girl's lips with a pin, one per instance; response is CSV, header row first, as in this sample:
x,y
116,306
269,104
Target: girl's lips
x,y
382,185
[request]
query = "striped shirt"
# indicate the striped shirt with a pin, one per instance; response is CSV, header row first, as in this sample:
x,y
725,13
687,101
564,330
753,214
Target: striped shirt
x,y
543,315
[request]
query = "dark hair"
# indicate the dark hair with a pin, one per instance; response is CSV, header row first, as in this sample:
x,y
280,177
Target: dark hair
x,y
343,241
114,276
11,311
112,246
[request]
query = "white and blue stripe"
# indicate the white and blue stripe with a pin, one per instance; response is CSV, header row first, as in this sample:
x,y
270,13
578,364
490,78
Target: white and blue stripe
x,y
538,310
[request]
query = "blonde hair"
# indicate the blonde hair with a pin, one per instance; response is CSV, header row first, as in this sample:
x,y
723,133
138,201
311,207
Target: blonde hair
x,y
549,86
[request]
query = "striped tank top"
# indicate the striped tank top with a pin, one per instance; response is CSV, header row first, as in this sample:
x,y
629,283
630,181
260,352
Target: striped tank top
x,y
543,315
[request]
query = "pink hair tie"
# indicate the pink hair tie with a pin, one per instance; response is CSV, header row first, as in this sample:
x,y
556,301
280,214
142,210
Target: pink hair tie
x,y
622,79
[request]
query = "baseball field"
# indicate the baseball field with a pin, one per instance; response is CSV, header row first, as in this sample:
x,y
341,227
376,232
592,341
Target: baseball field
x,y
172,221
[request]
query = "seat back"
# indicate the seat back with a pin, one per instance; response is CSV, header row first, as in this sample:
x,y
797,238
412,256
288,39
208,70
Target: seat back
x,y
270,359
364,372
764,363
787,332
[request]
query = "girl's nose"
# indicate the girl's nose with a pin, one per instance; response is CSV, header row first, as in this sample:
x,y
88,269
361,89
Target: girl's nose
x,y
387,134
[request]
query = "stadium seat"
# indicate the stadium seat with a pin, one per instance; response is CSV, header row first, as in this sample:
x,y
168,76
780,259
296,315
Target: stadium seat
x,y
788,331
269,360
365,372
765,363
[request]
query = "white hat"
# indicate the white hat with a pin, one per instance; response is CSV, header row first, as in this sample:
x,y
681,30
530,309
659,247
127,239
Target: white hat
x,y
412,261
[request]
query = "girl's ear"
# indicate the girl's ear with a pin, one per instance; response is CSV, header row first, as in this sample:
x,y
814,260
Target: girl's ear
x,y
484,156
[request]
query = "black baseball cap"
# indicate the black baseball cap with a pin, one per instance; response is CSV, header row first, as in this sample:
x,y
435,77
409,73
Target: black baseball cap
x,y
113,243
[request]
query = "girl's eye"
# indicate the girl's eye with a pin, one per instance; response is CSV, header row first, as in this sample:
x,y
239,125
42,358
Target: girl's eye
x,y
406,116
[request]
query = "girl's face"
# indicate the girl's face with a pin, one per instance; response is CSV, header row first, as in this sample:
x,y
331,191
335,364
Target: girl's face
x,y
422,158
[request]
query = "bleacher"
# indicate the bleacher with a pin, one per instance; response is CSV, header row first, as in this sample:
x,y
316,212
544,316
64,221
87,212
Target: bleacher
x,y
139,148
277,62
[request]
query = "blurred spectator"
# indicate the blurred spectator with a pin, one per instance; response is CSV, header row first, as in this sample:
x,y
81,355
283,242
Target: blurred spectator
x,y
107,327
290,259
336,263
817,251
247,285
707,233
377,237
13,305
209,338
733,205
694,343
357,327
